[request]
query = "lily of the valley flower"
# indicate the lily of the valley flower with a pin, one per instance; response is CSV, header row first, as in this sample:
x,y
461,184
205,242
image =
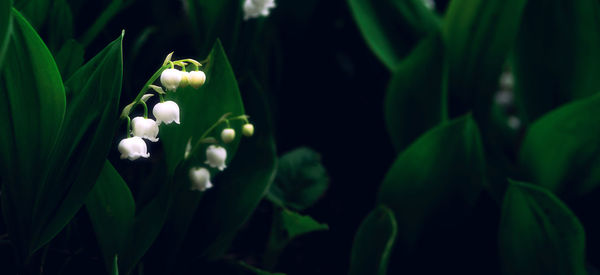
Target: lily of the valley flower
x,y
166,112
228,135
200,178
170,78
185,80
133,148
256,8
248,130
196,79
216,156
145,128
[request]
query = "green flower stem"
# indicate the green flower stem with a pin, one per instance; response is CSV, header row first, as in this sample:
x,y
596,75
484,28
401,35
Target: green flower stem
x,y
210,129
161,97
145,108
128,126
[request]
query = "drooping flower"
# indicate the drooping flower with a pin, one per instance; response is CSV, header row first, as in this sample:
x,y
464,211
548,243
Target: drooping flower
x,y
185,80
145,128
248,130
256,8
133,148
200,178
430,4
216,156
228,135
196,79
166,112
170,78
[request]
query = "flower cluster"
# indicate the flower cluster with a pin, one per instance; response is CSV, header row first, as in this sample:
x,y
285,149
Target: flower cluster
x,y
167,112
256,8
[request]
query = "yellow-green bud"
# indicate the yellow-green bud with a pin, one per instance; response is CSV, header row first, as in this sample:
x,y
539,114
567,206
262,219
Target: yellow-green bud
x,y
185,80
228,135
248,130
196,79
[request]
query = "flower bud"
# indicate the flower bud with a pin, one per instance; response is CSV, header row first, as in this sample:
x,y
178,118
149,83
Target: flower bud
x,y
248,130
170,78
166,112
200,178
185,80
145,128
133,148
228,135
216,156
197,79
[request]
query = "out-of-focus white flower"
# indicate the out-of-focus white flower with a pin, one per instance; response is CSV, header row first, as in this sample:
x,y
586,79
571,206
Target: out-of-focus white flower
x,y
507,81
166,112
256,8
430,4
514,122
504,98
145,128
200,178
170,78
133,148
228,135
216,156
248,130
185,80
196,79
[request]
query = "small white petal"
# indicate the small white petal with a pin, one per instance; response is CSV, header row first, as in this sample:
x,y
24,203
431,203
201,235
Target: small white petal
x,y
200,178
228,135
216,156
166,112
133,148
170,78
145,128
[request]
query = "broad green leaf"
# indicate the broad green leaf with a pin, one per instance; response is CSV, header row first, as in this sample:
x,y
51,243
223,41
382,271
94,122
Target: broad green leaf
x,y
561,151
373,243
92,114
392,27
5,27
60,24
36,11
539,234
414,101
478,35
436,179
555,54
286,226
69,58
111,208
31,114
300,181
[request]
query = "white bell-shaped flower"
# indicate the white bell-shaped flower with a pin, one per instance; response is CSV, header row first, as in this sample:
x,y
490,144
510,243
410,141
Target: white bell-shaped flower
x,y
256,8
216,156
170,78
248,129
166,112
145,128
133,148
200,178
185,80
228,135
196,79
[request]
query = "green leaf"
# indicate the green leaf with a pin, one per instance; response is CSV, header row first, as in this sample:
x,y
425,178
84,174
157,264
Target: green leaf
x,y
36,11
561,151
435,179
60,24
539,234
555,54
414,101
5,27
300,181
373,243
111,208
31,115
69,58
392,27
478,35
92,114
212,20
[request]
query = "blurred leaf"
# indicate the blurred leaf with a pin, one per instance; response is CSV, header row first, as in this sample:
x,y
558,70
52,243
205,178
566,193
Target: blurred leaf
x,y
36,11
373,243
92,114
300,181
31,113
561,151
5,27
478,35
286,226
539,234
436,179
556,53
212,20
111,209
60,24
256,271
414,101
392,28
69,58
